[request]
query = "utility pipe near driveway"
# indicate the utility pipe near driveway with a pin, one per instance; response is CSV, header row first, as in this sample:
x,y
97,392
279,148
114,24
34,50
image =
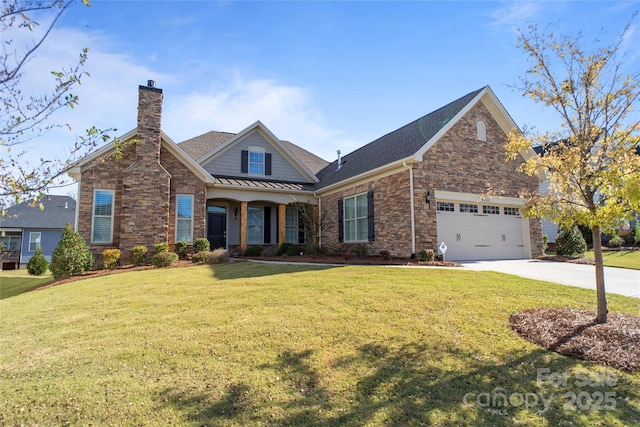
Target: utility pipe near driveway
x,y
413,218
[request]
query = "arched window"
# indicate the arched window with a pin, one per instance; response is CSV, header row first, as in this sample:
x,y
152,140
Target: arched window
x,y
482,131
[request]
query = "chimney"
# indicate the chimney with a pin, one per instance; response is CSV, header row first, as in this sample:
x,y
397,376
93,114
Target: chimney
x,y
149,122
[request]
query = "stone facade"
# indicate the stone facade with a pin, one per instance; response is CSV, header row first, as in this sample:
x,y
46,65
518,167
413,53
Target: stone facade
x,y
458,162
146,180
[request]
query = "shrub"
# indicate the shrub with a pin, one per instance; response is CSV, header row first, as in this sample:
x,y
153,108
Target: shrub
x,y
139,255
164,259
288,249
313,249
218,256
201,245
252,251
637,233
570,242
545,243
616,242
160,247
37,265
180,248
201,256
386,256
110,258
71,256
427,255
359,250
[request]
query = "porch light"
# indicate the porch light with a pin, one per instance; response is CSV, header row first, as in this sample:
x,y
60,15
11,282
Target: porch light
x,y
235,212
427,197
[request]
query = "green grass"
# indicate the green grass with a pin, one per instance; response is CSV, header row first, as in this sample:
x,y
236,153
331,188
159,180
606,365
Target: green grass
x,y
623,259
15,282
253,344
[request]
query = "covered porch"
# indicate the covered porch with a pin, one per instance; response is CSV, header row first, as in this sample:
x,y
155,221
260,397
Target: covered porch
x,y
248,216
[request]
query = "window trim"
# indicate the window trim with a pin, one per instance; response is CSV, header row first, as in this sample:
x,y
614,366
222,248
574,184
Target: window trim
x,y
262,225
491,210
357,218
481,129
293,229
468,208
38,242
256,150
93,215
190,240
9,239
511,211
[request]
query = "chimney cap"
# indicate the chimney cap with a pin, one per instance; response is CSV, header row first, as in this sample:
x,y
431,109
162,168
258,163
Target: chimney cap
x,y
151,83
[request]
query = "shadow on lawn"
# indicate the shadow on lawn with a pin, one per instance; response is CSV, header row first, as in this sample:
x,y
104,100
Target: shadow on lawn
x,y
247,269
400,390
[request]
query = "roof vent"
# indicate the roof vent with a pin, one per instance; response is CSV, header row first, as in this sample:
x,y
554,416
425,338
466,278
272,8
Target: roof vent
x,y
151,83
66,205
339,161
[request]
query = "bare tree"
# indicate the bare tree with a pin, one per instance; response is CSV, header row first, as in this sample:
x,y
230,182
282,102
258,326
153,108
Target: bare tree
x,y
591,161
26,116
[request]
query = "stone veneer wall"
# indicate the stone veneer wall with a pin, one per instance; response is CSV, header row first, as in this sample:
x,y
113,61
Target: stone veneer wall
x,y
458,162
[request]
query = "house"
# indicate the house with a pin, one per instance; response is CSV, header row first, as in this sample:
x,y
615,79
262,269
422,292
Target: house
x,y
27,228
441,178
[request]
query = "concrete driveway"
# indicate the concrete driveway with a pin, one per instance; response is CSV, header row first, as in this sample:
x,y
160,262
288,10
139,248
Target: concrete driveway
x,y
616,280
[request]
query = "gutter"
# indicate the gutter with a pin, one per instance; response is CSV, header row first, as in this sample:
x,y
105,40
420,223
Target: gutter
x,y
412,208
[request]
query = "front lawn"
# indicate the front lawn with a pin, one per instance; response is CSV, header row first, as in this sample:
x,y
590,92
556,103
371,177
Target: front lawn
x,y
255,344
623,259
15,282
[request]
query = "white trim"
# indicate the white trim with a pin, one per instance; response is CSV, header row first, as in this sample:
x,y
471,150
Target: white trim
x,y
93,215
477,198
412,208
175,234
481,130
356,218
37,242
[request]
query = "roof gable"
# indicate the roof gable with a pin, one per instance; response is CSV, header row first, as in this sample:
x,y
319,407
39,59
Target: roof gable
x,y
58,211
402,144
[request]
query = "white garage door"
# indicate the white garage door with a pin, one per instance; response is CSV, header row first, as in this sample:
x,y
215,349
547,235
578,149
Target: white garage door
x,y
479,232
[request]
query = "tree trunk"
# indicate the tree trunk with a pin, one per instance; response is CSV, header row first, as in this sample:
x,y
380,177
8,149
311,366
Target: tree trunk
x,y
600,293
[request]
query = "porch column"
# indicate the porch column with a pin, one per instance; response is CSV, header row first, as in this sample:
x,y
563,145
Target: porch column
x,y
243,226
282,219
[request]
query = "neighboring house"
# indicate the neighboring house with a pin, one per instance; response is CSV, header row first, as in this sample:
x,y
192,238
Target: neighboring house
x,y
441,178
27,228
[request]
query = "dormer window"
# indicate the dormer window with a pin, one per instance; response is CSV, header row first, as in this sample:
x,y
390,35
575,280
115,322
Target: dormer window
x,y
255,161
482,131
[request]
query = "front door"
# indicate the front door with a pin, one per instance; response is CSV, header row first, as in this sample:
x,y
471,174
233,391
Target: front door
x,y
217,230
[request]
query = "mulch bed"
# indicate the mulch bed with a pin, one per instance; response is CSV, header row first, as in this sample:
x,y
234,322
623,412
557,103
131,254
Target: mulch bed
x,y
368,260
575,333
567,258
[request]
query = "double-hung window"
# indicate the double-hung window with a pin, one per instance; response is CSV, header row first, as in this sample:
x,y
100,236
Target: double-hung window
x,y
292,226
356,218
256,163
102,221
34,241
184,218
255,234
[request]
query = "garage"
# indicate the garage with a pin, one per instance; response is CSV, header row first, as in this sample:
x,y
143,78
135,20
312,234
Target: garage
x,y
481,230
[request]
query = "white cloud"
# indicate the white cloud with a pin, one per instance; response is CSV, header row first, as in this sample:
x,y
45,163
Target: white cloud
x,y
515,14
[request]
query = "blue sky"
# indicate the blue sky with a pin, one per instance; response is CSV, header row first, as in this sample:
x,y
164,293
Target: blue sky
x,y
324,75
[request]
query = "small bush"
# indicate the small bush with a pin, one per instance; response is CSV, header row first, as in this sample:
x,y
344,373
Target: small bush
x,y
359,250
110,258
181,248
164,259
139,255
37,265
218,256
201,256
288,249
616,242
545,243
252,251
385,255
160,247
570,242
427,255
71,256
201,245
637,234
313,249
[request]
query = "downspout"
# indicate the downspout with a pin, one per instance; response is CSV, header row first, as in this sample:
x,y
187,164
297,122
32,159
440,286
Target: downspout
x,y
413,216
319,221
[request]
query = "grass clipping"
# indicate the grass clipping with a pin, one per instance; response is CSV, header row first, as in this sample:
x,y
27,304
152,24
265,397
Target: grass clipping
x,y
575,333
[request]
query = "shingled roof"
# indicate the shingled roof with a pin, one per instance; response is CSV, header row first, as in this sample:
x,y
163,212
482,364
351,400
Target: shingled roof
x,y
57,212
200,145
394,146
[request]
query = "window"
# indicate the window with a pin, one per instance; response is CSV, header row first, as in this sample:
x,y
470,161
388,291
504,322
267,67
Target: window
x,y
355,218
492,210
292,226
445,207
511,211
482,131
464,207
255,161
102,224
255,234
9,243
184,218
34,241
